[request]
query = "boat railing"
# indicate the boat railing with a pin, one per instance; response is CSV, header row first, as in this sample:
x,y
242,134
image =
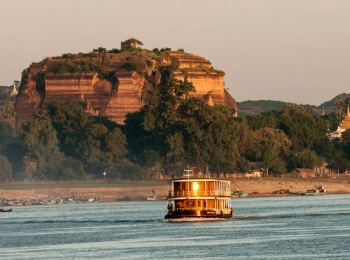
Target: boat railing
x,y
195,193
194,209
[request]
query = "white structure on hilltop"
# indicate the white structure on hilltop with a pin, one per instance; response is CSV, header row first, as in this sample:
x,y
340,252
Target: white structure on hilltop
x,y
14,91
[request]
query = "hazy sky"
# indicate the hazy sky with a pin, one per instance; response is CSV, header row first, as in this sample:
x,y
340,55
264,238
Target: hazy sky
x,y
285,50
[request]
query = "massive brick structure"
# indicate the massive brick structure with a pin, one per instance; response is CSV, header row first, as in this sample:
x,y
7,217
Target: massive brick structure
x,y
113,83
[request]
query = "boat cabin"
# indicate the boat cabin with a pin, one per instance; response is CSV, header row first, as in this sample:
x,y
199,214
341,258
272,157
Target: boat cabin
x,y
199,197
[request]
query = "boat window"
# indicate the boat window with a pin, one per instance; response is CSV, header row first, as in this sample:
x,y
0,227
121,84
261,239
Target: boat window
x,y
190,203
210,185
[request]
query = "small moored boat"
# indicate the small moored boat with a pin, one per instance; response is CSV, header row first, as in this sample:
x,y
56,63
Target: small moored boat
x,y
198,199
5,210
153,196
318,190
239,194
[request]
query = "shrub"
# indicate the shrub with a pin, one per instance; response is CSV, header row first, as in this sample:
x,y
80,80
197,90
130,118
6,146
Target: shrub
x,y
130,171
149,63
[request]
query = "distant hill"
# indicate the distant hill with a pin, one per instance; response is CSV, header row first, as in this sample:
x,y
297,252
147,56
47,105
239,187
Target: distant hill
x,y
252,107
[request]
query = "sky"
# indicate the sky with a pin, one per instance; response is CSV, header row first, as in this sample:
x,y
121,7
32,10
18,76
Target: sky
x,y
294,51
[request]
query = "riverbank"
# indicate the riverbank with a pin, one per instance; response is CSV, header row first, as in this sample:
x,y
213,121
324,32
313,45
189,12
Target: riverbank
x,y
140,190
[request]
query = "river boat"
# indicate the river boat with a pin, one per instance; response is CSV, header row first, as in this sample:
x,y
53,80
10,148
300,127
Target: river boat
x,y
92,199
153,196
73,200
239,194
5,210
69,200
318,190
195,199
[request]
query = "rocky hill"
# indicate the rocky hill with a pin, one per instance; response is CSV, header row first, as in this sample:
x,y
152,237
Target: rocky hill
x,y
114,82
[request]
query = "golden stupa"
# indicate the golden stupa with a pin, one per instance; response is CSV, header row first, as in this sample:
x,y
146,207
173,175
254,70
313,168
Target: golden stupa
x,y
345,124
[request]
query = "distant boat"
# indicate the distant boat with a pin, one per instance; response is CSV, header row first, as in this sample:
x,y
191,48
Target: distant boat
x,y
239,194
72,200
5,210
153,196
319,190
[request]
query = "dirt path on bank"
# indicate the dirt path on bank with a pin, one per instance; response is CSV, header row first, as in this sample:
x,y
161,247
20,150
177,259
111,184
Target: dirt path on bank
x,y
264,187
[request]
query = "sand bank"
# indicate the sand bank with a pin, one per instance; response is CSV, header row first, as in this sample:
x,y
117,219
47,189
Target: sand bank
x,y
264,187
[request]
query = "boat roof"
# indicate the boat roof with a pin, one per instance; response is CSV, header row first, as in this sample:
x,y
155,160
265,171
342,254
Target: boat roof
x,y
194,179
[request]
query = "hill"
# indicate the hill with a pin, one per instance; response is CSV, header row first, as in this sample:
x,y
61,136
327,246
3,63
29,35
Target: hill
x,y
254,107
112,83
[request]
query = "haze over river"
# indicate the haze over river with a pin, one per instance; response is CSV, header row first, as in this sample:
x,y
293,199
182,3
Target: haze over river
x,y
300,227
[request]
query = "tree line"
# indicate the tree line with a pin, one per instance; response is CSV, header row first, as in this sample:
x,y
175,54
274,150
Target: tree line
x,y
171,132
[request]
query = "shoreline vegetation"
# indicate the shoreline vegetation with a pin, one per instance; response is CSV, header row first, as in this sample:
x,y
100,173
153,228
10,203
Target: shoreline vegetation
x,y
138,190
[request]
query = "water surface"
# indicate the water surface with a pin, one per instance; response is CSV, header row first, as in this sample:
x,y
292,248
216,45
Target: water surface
x,y
301,227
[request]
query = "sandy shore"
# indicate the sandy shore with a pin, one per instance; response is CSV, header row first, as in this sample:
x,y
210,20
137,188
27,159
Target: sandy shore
x,y
264,187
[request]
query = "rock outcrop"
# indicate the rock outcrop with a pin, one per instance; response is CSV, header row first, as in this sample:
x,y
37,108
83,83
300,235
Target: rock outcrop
x,y
113,83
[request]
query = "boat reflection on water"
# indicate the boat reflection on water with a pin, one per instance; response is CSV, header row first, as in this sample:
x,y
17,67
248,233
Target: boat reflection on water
x,y
198,199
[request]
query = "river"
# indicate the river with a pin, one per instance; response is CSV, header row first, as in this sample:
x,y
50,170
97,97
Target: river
x,y
300,227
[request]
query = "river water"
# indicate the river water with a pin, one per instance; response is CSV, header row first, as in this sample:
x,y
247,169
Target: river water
x,y
300,227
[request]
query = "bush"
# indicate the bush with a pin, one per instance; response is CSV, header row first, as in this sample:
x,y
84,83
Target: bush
x,y
149,63
129,171
71,169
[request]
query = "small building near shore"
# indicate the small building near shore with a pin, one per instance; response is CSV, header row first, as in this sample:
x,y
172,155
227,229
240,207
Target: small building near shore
x,y
254,174
301,173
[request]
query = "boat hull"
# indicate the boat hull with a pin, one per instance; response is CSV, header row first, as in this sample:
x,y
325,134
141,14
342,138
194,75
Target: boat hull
x,y
199,214
5,210
313,194
151,198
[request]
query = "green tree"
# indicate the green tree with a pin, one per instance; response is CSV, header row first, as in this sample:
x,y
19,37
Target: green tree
x,y
301,127
6,133
115,148
270,154
185,131
6,169
306,159
266,119
271,146
96,141
157,126
339,103
345,142
70,169
8,113
40,140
